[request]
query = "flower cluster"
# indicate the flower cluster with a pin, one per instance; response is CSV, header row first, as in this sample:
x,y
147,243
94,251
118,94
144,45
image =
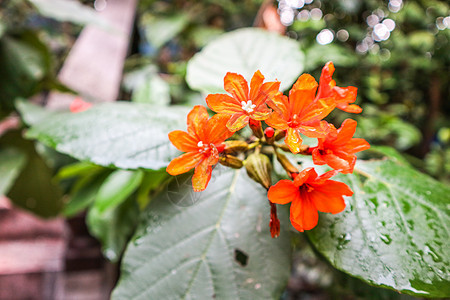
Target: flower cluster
x,y
302,112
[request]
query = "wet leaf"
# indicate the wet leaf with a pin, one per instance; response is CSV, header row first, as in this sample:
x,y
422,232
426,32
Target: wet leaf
x,y
11,163
189,251
394,232
121,134
245,51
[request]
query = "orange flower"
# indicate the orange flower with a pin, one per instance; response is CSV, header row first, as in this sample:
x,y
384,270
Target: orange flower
x,y
338,148
342,95
200,143
243,105
310,193
301,113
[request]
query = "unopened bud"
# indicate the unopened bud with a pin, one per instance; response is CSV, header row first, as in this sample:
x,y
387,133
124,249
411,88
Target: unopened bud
x,y
259,168
235,147
286,164
269,132
231,161
256,127
279,134
274,223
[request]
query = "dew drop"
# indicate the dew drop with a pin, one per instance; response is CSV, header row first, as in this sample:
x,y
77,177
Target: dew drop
x,y
385,238
138,241
173,272
343,240
432,253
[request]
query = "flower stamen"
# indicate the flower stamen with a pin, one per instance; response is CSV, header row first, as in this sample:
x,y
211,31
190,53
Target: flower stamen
x,y
248,106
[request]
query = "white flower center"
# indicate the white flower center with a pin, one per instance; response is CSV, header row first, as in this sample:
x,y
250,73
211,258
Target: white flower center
x,y
203,148
200,144
248,106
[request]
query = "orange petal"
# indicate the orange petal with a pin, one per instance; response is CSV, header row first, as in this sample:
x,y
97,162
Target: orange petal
x,y
345,132
317,157
283,192
221,103
184,163
277,121
183,141
326,83
319,180
255,85
261,113
333,188
305,82
196,121
269,90
315,130
356,145
237,86
237,122
308,174
344,94
280,104
304,215
216,129
345,165
201,177
319,110
293,140
326,203
354,109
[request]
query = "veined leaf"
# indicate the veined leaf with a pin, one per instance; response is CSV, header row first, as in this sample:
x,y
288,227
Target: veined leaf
x,y
219,247
245,51
11,163
124,135
394,232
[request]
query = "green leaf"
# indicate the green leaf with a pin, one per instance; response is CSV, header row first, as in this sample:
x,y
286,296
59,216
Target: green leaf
x,y
25,62
116,188
113,227
245,51
31,113
394,232
147,86
390,152
159,30
70,11
11,163
318,55
151,181
213,244
121,134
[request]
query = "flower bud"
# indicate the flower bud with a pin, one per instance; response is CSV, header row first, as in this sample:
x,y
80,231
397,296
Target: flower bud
x,y
256,127
235,147
269,132
286,164
231,161
274,223
259,168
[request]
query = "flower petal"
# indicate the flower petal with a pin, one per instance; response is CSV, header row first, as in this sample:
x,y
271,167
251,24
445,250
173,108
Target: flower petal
x,y
345,132
356,145
326,83
237,86
280,104
268,90
293,140
201,177
261,113
333,188
306,175
283,192
354,109
343,164
315,130
317,157
237,122
277,121
196,121
184,163
319,110
304,215
323,178
216,129
255,85
183,141
221,103
305,82
327,203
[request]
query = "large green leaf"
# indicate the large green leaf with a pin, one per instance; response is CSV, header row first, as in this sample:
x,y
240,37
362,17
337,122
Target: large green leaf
x,y
11,162
217,247
31,113
160,30
70,11
121,134
245,51
394,232
114,226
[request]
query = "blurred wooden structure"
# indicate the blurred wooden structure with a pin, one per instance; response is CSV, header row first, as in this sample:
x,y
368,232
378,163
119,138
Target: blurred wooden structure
x,y
37,255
